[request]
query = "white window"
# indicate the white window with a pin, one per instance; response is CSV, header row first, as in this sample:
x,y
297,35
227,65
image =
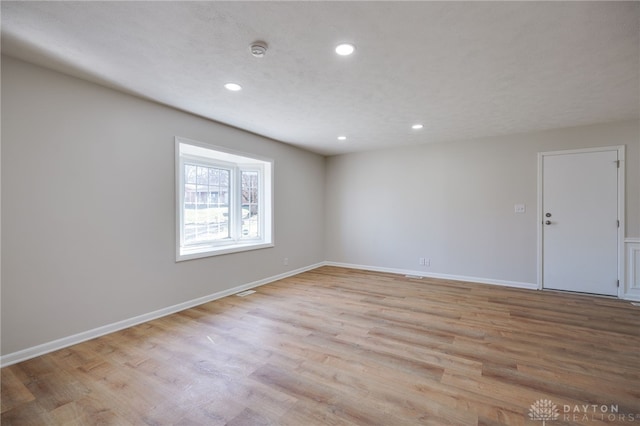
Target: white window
x,y
223,199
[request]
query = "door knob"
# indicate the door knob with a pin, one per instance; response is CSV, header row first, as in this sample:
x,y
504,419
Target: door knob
x,y
548,222
548,215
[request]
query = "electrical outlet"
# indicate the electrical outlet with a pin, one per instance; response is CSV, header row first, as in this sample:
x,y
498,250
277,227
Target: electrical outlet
x,y
422,261
285,261
427,262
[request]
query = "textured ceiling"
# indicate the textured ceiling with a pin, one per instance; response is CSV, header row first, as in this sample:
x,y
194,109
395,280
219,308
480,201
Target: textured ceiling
x,y
463,69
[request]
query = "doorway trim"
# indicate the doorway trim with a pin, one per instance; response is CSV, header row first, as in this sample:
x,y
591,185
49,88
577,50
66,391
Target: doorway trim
x,y
621,211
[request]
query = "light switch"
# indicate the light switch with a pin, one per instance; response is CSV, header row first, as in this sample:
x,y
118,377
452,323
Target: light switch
x,y
519,208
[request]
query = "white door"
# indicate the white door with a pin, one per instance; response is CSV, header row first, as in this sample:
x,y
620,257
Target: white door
x,y
580,222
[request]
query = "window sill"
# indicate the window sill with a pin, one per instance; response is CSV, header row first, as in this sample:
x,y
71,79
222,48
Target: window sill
x,y
200,252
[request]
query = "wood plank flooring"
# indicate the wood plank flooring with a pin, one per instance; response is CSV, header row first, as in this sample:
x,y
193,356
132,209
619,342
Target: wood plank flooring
x,y
336,346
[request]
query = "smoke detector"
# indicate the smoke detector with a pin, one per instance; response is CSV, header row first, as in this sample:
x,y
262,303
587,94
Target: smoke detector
x,y
258,49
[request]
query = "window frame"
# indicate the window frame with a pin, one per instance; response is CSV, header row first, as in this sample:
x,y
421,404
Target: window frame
x,y
206,155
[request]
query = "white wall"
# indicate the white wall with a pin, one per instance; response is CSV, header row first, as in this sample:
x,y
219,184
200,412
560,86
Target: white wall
x,y
454,202
88,232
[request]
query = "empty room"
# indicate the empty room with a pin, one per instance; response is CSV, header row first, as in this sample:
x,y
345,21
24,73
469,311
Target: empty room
x,y
320,213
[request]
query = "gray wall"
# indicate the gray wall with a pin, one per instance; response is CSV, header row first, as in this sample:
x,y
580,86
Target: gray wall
x,y
88,232
454,202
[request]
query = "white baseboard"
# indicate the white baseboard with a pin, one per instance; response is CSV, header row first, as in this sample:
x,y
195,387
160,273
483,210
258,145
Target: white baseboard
x,y
631,297
44,348
530,286
64,342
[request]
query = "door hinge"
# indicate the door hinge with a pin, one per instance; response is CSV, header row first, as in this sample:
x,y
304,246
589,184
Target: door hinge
x,y
618,223
618,163
618,285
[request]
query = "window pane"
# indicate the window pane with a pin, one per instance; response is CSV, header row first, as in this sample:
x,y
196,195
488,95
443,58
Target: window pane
x,y
202,174
224,177
250,211
223,195
205,210
189,173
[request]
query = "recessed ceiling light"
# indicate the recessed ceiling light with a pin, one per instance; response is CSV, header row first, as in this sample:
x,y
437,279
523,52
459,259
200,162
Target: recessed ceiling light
x,y
234,87
342,138
417,126
345,49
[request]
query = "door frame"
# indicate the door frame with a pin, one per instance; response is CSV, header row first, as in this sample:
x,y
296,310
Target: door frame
x,y
621,211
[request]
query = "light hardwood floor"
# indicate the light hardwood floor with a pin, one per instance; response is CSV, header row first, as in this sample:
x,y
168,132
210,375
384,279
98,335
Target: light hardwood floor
x,y
336,346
